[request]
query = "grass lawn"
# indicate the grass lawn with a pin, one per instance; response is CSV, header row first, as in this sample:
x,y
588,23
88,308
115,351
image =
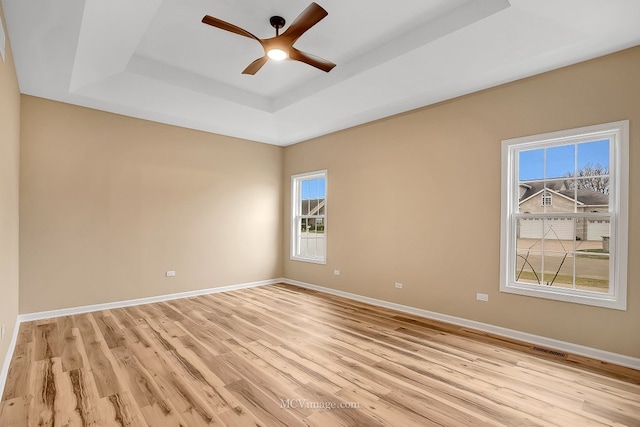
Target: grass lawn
x,y
595,253
563,279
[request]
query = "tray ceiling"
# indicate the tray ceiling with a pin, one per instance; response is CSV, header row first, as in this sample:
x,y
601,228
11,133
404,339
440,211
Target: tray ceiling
x,y
154,59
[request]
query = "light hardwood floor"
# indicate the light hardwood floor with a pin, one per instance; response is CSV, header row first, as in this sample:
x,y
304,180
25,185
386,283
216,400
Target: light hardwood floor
x,y
282,355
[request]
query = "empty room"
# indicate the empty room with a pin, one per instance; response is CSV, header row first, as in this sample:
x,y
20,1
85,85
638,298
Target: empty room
x,y
289,213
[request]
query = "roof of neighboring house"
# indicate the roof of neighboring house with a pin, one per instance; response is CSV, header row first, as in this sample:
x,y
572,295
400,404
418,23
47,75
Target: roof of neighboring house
x,y
585,197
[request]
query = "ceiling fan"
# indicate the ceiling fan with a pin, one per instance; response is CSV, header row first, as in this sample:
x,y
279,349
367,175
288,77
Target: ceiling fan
x,y
281,46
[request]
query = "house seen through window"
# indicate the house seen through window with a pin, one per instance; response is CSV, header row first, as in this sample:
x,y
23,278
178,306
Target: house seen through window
x,y
308,232
565,222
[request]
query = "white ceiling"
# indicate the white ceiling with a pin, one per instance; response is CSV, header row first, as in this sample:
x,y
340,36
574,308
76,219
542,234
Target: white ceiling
x,y
155,60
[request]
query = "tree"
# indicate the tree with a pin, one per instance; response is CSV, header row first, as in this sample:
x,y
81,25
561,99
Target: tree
x,y
591,177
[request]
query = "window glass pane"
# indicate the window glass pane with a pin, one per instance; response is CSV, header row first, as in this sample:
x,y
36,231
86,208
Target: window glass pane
x,y
312,240
313,189
528,253
592,267
546,200
559,231
594,154
558,267
528,267
560,161
531,164
529,231
593,193
559,197
305,189
307,244
598,232
530,193
322,187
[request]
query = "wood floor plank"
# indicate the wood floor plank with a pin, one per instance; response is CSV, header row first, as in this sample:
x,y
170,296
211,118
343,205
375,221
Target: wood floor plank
x,y
97,359
70,343
261,406
269,381
125,412
87,401
156,414
65,405
17,383
110,330
45,392
283,355
47,341
15,412
139,381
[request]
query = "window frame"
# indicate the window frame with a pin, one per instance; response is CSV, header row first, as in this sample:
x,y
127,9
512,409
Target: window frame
x,y
296,215
618,135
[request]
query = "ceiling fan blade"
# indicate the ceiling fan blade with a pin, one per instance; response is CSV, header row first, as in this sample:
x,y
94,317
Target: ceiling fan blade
x,y
314,61
218,23
307,19
256,65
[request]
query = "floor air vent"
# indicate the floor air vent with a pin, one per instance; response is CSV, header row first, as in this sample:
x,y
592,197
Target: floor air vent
x,y
549,352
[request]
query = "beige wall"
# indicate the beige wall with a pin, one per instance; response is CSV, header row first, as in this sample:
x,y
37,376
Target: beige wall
x,y
9,165
416,199
109,203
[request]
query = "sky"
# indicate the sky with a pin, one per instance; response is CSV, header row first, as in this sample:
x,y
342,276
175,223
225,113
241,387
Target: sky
x,y
562,160
313,188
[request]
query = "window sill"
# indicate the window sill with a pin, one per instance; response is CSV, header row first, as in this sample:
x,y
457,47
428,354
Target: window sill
x,y
568,295
309,260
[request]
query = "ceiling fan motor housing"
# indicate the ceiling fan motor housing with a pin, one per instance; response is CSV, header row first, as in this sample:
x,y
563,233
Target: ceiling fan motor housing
x,y
277,22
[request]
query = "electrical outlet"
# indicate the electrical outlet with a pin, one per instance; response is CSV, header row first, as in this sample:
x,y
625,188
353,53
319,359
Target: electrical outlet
x,y
482,297
171,273
336,272
398,285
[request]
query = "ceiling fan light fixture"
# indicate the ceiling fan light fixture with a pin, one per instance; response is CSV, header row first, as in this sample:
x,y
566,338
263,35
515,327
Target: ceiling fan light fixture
x,y
277,54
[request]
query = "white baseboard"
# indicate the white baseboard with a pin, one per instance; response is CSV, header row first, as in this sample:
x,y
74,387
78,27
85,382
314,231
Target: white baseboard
x,y
138,301
594,353
8,357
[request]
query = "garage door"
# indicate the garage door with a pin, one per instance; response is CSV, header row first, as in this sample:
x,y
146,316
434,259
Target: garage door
x,y
597,228
555,228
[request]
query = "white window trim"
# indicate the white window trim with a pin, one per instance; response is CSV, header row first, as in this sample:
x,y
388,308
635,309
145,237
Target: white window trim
x,y
618,202
295,196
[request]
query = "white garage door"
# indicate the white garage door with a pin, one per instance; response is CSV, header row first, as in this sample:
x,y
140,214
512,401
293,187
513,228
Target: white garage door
x,y
597,228
554,228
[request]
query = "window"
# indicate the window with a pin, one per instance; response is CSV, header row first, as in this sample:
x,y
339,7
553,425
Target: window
x,y
574,249
309,217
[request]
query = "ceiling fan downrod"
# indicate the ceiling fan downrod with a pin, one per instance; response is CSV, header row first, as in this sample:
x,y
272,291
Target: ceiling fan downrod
x,y
277,22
